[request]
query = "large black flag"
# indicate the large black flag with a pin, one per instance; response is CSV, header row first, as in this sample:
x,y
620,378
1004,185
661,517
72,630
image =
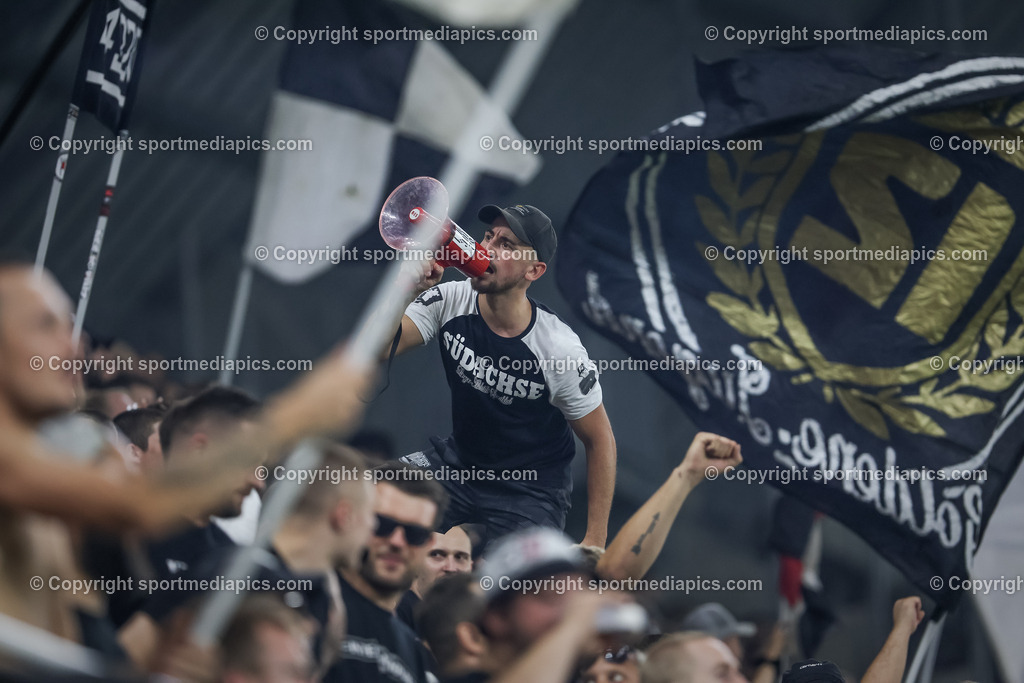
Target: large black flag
x,y
111,58
866,251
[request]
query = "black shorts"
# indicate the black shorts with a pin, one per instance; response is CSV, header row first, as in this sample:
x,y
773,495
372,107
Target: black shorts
x,y
494,507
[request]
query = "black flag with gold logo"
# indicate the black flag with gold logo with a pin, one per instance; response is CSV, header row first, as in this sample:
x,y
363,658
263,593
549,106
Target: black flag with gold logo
x,y
826,265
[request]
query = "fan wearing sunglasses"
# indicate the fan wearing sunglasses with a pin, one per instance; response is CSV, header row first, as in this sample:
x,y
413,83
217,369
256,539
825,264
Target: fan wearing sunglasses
x,y
379,647
614,665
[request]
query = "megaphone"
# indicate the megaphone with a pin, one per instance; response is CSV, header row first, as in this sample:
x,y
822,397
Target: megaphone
x,y
406,210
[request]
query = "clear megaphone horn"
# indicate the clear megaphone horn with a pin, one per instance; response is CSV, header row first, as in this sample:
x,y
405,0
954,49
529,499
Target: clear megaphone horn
x,y
406,210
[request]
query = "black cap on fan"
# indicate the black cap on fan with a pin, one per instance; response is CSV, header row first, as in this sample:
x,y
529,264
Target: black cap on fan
x,y
529,224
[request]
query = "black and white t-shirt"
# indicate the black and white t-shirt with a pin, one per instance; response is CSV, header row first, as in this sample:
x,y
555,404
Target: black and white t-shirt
x,y
511,396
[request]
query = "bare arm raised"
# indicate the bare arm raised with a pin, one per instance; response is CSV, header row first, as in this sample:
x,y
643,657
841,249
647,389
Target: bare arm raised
x,y
33,479
637,545
410,333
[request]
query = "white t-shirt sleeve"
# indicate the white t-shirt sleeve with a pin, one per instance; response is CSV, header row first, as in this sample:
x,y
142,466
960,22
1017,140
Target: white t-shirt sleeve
x,y
432,309
575,389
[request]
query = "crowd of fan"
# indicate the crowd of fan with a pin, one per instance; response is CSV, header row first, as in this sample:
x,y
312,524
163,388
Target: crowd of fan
x,y
356,582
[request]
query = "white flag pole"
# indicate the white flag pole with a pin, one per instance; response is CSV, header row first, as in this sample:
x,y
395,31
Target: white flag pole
x,y
238,310
514,75
929,641
97,238
55,187
42,650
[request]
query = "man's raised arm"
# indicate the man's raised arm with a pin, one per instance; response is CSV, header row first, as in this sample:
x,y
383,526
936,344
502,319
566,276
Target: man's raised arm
x,y
638,544
890,662
410,333
323,401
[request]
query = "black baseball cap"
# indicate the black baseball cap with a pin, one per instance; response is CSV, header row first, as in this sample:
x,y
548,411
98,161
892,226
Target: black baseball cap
x,y
813,671
529,224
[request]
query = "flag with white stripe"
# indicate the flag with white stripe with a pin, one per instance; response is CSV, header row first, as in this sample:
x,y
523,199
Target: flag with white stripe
x,y
111,59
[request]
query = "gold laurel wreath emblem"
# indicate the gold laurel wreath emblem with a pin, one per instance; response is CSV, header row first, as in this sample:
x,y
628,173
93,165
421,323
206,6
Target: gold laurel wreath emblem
x,y
733,218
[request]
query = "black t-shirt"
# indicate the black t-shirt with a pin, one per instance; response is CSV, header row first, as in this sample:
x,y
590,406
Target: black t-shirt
x,y
472,677
406,610
141,565
99,634
511,397
109,557
378,646
310,591
170,556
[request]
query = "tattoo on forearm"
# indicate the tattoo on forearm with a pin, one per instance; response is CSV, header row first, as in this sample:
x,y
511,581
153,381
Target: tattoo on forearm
x,y
640,541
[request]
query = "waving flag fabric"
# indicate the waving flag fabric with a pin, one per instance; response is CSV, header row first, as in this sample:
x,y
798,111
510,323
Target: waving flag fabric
x,y
826,265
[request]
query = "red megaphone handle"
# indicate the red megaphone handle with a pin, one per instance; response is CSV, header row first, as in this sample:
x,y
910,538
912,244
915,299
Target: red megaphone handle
x,y
458,249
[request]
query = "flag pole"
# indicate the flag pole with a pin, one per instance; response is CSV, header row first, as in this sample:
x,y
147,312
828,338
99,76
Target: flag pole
x,y
55,187
514,75
928,668
97,238
42,650
243,288
929,641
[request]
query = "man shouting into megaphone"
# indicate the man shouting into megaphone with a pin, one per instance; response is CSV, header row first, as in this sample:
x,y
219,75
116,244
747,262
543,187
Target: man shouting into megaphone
x,y
522,384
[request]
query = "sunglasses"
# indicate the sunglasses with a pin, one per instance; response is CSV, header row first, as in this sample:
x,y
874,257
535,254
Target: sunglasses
x,y
415,535
611,655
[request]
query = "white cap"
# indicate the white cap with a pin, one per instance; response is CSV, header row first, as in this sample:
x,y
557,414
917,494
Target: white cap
x,y
531,553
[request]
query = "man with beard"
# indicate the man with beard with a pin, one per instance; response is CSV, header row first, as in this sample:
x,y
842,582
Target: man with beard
x,y
521,385
379,647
